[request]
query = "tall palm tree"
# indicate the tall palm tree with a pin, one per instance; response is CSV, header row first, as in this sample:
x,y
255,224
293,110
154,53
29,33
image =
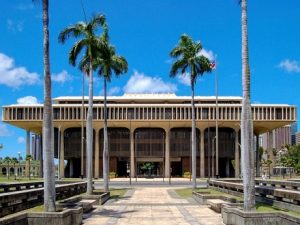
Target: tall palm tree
x,y
7,161
107,63
48,130
247,123
188,59
86,33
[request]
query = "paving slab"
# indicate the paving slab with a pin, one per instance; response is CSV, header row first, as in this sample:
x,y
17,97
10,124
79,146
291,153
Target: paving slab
x,y
151,206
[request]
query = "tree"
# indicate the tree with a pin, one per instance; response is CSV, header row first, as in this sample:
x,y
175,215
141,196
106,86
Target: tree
x,y
7,161
86,33
246,120
292,158
108,63
28,159
14,161
48,130
188,59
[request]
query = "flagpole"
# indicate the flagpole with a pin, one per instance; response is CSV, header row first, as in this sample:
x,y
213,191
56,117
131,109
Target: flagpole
x,y
217,118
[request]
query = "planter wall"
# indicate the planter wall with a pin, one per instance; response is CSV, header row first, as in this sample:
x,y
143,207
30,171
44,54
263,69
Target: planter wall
x,y
66,217
236,216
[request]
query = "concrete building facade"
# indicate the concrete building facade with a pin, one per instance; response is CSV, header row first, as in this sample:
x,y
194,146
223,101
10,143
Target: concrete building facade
x,y
149,134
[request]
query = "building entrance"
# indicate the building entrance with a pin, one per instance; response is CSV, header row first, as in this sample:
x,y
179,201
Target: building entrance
x,y
150,169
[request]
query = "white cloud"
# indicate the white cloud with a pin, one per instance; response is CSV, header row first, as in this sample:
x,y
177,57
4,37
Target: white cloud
x,y
27,100
61,77
15,26
114,90
4,132
291,66
21,140
13,76
208,54
141,83
184,79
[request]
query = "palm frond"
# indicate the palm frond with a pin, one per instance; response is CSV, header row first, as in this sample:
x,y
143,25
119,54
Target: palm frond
x,y
75,50
72,31
179,65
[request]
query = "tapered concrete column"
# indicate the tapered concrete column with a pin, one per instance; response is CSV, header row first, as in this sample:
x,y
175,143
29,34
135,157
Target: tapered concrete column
x,y
132,167
27,152
41,156
237,155
257,156
202,154
167,154
97,153
62,154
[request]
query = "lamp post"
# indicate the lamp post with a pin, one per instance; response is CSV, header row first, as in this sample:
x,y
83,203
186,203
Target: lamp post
x,y
19,169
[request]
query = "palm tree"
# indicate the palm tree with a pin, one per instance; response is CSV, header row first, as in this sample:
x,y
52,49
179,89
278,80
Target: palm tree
x,y
48,130
14,161
28,159
247,151
107,63
7,161
89,43
189,60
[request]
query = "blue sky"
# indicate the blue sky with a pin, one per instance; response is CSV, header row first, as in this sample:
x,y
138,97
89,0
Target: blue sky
x,y
144,31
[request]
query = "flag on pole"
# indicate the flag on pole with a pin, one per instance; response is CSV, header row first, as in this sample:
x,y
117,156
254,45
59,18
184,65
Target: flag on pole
x,y
212,65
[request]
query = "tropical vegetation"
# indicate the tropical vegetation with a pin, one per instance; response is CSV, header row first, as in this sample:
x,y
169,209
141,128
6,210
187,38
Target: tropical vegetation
x,y
189,60
247,148
48,130
88,42
107,62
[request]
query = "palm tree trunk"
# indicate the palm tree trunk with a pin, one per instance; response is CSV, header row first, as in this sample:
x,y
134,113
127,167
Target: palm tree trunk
x,y
105,140
89,134
48,141
247,123
193,139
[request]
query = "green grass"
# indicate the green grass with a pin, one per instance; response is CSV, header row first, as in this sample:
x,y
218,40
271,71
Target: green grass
x,y
264,208
187,192
23,179
115,193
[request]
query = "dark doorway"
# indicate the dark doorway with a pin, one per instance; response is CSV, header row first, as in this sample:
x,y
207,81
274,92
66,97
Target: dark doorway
x,y
122,168
176,169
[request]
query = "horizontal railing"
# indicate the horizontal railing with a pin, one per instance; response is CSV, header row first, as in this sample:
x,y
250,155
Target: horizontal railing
x,y
161,112
13,202
20,186
272,192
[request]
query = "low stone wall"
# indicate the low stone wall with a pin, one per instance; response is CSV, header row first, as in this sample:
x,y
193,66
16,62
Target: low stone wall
x,y
202,197
66,217
20,186
17,201
236,216
282,197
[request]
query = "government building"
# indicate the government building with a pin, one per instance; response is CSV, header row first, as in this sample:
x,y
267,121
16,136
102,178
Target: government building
x,y
149,134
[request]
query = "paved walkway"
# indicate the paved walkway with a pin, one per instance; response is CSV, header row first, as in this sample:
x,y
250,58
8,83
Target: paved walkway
x,y
152,205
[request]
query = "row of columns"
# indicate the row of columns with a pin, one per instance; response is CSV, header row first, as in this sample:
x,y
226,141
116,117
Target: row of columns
x,y
132,152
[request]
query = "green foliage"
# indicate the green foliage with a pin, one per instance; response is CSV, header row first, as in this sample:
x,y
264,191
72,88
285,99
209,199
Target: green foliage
x,y
292,158
147,166
233,163
274,152
188,59
260,151
187,174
